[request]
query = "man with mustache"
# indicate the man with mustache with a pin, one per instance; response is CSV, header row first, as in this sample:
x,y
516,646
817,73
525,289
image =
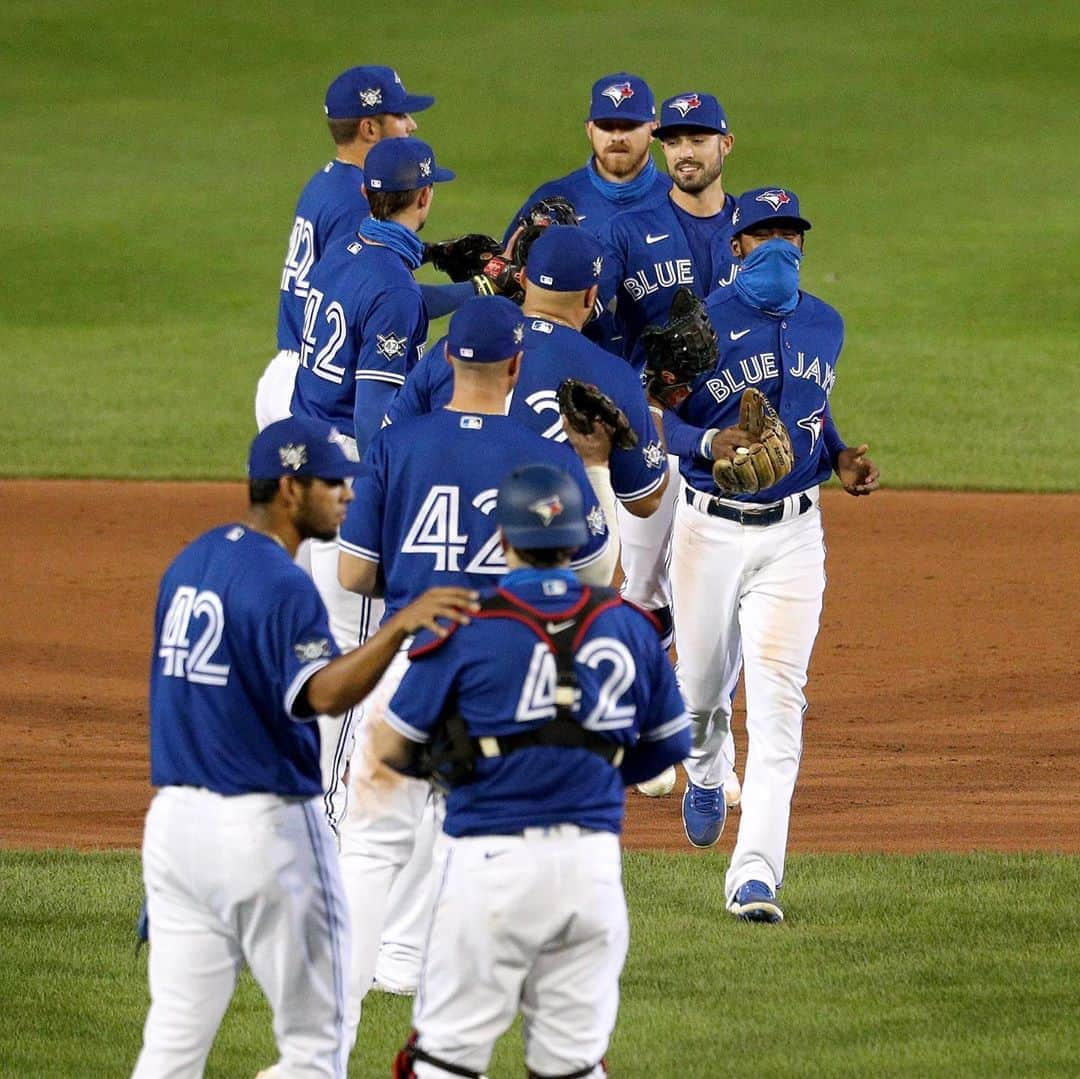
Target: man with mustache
x,y
620,174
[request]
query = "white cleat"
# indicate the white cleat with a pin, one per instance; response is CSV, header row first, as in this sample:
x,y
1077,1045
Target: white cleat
x,y
732,791
660,785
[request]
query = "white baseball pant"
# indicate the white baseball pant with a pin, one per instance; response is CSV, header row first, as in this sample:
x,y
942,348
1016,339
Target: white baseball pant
x,y
248,878
273,394
753,593
534,923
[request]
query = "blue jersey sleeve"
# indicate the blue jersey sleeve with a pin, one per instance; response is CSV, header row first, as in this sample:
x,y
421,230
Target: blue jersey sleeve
x,y
444,299
683,438
392,337
637,472
420,699
298,640
429,386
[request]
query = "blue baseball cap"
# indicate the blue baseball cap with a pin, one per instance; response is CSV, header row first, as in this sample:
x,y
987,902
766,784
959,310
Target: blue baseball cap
x,y
565,259
701,111
302,446
486,329
767,204
371,91
402,165
622,97
541,506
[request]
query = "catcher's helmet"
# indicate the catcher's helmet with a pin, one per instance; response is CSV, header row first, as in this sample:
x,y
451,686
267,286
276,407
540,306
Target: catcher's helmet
x,y
541,506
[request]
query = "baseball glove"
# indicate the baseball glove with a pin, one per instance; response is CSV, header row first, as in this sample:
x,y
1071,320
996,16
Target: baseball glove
x,y
464,257
583,404
500,277
553,211
676,353
767,461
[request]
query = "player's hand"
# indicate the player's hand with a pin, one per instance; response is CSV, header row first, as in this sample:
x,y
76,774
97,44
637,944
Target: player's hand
x,y
857,472
593,447
449,604
728,440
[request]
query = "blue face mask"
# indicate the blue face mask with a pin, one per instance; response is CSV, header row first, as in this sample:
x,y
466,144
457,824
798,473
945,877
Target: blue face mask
x,y
768,277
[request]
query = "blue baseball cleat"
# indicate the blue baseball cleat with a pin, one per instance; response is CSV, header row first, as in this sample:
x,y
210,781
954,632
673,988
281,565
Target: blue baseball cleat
x,y
703,814
755,901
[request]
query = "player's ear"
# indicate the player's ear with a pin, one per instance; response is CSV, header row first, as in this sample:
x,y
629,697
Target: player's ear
x,y
736,248
590,297
426,195
368,129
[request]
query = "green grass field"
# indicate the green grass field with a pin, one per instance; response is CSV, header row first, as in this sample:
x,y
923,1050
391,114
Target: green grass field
x,y
152,154
938,965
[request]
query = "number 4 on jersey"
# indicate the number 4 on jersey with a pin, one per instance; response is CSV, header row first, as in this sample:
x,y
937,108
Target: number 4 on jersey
x,y
182,660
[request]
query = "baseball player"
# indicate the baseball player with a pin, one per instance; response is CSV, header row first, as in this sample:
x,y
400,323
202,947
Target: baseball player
x,y
748,569
363,106
422,515
620,173
560,290
364,325
535,717
681,239
238,862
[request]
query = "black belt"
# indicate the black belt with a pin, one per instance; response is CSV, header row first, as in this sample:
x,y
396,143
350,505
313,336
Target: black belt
x,y
747,515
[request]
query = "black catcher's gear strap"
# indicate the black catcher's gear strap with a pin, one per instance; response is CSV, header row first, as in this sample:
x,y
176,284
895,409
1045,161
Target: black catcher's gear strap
x,y
451,755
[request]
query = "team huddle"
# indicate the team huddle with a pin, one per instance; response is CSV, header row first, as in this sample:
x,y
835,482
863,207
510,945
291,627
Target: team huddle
x,y
395,710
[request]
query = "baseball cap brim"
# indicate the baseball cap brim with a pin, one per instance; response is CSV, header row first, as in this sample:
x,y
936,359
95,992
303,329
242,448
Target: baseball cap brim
x,y
414,103
663,132
439,175
800,222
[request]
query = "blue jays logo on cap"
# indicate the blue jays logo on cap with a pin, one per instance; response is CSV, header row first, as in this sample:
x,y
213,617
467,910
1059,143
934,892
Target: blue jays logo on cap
x,y
617,93
293,456
763,204
547,509
686,104
775,198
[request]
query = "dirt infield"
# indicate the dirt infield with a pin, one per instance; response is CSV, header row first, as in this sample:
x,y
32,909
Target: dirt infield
x,y
944,698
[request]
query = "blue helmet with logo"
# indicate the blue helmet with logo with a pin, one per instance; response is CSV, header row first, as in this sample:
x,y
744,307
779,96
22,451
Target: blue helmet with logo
x,y
541,506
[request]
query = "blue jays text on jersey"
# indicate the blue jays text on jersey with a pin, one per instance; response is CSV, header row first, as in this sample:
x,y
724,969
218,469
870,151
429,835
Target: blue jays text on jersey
x,y
792,360
364,327
239,630
649,252
501,678
554,353
423,509
331,206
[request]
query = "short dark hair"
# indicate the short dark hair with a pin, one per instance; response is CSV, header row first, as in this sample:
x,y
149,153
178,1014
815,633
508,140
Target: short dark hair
x,y
544,557
385,204
261,492
344,131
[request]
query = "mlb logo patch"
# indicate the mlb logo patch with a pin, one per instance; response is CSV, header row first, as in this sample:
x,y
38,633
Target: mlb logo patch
x,y
471,423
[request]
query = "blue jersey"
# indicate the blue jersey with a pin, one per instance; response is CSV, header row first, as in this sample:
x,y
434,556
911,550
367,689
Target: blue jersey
x,y
331,205
593,208
238,631
789,358
648,254
500,677
554,353
423,509
364,327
